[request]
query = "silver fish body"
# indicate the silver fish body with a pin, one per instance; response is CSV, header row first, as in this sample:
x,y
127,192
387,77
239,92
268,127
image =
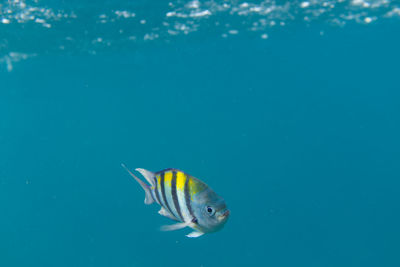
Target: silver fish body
x,y
185,199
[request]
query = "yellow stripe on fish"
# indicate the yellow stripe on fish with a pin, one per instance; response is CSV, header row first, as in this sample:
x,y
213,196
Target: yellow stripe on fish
x,y
195,186
180,180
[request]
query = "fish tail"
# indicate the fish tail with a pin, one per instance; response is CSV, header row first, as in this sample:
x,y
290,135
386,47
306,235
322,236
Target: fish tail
x,y
148,197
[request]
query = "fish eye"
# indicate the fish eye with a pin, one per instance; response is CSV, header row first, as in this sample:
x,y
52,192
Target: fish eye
x,y
210,210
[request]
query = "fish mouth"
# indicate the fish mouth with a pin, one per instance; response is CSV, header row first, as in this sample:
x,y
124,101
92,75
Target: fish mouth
x,y
224,216
226,213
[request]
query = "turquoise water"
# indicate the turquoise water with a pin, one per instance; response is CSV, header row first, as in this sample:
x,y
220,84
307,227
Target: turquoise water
x,y
288,109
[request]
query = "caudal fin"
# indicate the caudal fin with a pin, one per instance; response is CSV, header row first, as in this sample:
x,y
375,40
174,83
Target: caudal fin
x,y
148,197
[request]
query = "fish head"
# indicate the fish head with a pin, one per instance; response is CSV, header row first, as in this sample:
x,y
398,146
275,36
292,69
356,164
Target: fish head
x,y
210,210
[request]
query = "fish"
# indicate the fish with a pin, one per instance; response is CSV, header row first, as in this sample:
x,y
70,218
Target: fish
x,y
185,199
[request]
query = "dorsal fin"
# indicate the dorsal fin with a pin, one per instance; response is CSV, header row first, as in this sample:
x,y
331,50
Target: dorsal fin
x,y
170,169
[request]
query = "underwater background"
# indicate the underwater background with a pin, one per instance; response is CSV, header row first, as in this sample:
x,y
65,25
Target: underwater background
x,y
290,110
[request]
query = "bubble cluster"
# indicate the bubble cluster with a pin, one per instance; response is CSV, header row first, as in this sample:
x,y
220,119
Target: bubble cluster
x,y
35,27
14,57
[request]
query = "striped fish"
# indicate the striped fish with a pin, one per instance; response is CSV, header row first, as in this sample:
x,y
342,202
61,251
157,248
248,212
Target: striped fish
x,y
185,199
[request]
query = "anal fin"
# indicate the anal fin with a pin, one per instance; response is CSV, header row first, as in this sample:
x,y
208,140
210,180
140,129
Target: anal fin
x,y
165,213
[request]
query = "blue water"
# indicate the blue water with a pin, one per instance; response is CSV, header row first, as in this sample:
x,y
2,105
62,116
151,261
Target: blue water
x,y
296,124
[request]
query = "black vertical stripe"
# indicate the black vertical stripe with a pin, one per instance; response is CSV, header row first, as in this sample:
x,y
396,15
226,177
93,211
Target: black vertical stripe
x,y
163,193
188,199
156,191
175,196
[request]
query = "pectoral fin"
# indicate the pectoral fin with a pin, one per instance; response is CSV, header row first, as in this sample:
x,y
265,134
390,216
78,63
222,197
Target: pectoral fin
x,y
174,227
195,234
